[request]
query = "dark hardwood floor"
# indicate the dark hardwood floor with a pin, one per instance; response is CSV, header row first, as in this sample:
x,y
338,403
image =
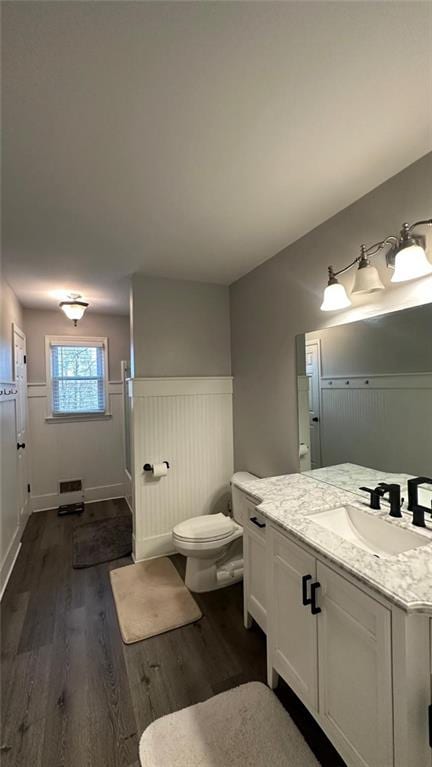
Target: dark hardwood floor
x,y
73,695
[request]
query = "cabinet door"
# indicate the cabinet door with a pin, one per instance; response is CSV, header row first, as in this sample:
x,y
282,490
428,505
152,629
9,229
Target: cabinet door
x,y
355,684
292,628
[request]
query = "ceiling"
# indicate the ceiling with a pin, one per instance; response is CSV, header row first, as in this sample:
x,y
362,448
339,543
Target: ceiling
x,y
196,140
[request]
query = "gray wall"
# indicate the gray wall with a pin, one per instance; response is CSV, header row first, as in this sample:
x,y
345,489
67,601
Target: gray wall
x,y
281,298
11,312
400,342
179,328
39,323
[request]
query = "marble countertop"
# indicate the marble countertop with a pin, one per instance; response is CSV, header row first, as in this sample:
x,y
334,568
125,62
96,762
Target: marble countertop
x,y
350,476
405,579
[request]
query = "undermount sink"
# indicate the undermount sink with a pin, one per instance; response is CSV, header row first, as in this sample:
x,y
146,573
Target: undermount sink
x,y
373,534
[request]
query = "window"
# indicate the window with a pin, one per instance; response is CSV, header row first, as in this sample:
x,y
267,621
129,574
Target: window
x,y
78,376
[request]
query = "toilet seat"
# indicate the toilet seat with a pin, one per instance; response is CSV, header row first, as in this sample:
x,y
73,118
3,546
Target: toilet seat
x,y
207,528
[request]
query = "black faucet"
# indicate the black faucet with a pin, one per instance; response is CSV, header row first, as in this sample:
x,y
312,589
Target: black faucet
x,y
417,509
380,491
394,492
375,496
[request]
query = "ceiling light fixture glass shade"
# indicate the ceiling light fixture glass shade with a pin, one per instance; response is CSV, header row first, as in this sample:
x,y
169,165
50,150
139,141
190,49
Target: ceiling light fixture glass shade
x,y
335,297
367,279
411,263
74,309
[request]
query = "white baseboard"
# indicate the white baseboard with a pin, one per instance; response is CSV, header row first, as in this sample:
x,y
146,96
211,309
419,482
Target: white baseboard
x,y
151,548
9,560
91,495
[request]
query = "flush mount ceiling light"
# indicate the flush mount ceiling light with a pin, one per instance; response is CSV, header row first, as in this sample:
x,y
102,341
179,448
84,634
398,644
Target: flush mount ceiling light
x,y
73,308
406,255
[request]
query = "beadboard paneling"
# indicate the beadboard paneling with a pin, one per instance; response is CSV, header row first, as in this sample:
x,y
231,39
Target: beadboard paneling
x,y
385,423
194,433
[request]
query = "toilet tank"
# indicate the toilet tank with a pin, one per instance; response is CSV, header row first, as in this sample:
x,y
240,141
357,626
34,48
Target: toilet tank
x,y
239,497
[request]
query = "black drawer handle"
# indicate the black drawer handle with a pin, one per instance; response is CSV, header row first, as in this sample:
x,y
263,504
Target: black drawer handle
x,y
20,444
314,608
305,599
257,522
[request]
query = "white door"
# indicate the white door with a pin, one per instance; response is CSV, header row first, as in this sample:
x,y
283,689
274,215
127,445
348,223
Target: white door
x,y
292,628
355,682
19,341
313,372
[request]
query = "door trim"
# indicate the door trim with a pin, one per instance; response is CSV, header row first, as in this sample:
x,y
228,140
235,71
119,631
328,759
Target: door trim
x,y
317,342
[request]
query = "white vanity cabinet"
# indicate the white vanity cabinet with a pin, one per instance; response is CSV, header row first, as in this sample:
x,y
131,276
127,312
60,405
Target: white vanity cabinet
x,y
331,644
255,566
360,665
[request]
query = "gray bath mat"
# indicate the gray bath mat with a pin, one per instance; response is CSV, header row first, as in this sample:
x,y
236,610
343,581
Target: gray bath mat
x,y
102,541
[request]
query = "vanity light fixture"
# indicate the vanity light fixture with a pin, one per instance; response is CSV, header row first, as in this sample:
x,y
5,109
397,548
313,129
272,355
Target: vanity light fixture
x,y
335,296
410,260
367,279
406,255
74,308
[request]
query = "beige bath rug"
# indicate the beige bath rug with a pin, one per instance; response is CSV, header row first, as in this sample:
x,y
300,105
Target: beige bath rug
x,y
244,727
151,598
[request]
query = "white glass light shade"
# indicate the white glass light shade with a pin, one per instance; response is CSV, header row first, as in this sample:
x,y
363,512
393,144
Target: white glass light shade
x,y
74,310
410,263
335,298
367,280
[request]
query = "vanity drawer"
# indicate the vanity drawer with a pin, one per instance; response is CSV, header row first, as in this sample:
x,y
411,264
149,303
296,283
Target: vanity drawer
x,y
255,521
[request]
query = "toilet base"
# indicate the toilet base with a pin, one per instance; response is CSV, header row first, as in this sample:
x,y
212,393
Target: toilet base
x,y
208,575
202,576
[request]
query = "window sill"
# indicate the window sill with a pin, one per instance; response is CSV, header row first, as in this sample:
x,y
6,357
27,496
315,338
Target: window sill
x,y
82,417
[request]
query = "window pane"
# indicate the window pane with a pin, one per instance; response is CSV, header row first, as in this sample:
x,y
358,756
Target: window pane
x,y
78,379
77,361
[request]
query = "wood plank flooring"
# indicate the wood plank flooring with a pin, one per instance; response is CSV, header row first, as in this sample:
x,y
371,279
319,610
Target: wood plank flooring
x,y
73,695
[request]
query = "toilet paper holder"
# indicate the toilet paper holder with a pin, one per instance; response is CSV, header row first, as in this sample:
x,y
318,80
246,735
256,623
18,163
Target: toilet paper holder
x,y
149,466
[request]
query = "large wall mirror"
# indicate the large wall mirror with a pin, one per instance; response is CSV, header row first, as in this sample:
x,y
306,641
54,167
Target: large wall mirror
x,y
365,394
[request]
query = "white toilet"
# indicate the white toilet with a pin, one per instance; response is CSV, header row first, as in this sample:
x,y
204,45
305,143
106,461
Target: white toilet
x,y
213,545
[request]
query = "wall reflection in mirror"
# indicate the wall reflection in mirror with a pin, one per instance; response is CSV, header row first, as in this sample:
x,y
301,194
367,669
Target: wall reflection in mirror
x,y
365,395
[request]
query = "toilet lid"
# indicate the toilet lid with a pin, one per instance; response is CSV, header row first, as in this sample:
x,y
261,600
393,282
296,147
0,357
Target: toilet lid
x,y
210,527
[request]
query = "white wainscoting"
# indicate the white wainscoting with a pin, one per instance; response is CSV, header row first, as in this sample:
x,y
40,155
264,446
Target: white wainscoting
x,y
384,421
187,422
11,524
91,450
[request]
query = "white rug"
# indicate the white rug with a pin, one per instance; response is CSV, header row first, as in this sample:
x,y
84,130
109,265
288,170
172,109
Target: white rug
x,y
244,727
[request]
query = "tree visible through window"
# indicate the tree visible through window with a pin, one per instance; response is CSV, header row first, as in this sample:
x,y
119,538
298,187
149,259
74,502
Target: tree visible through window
x,y
78,379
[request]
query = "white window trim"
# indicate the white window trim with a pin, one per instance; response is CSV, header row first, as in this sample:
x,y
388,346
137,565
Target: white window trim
x,y
72,341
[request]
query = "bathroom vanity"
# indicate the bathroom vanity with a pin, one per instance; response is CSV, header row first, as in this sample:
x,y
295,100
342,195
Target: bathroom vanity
x,y
348,622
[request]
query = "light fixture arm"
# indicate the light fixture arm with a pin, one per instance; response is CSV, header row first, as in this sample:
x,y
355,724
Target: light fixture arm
x,y
366,252
424,222
333,274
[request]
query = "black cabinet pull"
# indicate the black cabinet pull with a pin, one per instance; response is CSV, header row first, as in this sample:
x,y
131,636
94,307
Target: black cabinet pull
x,y
314,608
257,522
20,444
305,599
